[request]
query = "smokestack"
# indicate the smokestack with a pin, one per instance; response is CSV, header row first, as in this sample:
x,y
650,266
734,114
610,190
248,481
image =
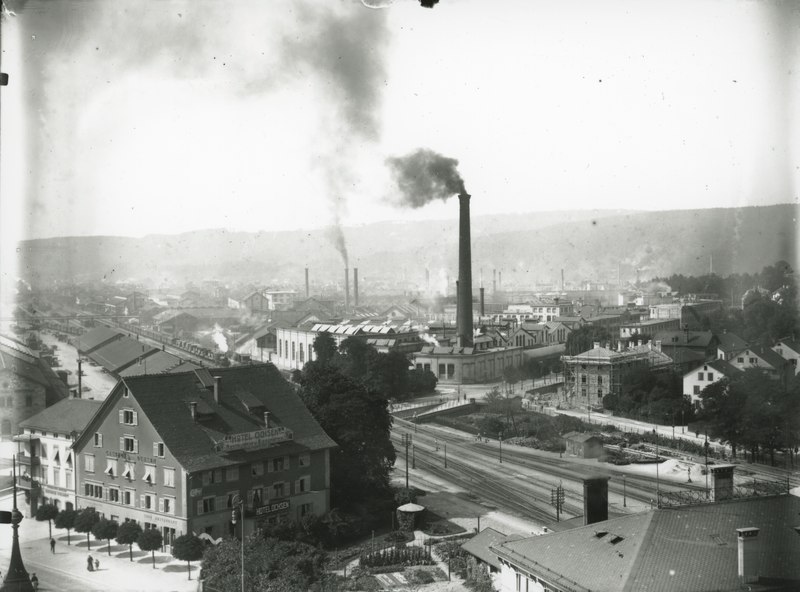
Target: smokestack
x,y
266,419
494,281
464,274
427,281
562,279
346,289
483,310
500,279
748,552
355,286
308,292
217,380
595,499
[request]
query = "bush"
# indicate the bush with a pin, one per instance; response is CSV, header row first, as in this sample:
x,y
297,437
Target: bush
x,y
420,577
397,557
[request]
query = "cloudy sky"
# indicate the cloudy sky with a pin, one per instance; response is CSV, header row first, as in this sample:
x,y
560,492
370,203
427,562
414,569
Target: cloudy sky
x,y
134,117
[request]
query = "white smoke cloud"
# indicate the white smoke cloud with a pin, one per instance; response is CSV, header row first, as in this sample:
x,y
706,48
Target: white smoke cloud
x,y
219,338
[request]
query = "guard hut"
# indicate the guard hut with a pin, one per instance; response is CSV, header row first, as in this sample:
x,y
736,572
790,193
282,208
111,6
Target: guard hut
x,y
583,445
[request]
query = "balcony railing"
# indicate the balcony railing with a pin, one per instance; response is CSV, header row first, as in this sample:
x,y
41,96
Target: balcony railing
x,y
686,497
28,460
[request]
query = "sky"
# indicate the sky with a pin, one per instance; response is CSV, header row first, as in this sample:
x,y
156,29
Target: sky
x,y
139,117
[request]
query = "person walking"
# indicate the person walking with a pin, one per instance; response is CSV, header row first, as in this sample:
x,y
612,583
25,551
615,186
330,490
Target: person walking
x,y
97,565
89,563
52,545
34,582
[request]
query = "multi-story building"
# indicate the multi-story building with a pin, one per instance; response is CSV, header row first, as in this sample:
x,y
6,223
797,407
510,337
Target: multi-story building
x,y
536,310
789,350
176,451
697,379
593,374
764,359
46,460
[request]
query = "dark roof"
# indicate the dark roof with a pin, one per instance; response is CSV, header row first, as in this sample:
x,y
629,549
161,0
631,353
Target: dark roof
x,y
728,342
770,357
164,399
66,416
579,437
791,344
119,354
661,550
156,363
682,355
684,338
22,361
94,338
478,546
724,368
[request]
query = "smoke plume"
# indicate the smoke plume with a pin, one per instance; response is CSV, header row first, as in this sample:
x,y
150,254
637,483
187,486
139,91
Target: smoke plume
x,y
336,236
424,175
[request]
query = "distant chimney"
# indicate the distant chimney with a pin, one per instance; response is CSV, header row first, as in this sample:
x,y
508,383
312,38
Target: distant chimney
x,y
427,280
748,551
355,286
619,346
494,281
266,419
721,482
193,410
217,380
464,292
483,309
346,289
562,279
596,345
595,499
308,292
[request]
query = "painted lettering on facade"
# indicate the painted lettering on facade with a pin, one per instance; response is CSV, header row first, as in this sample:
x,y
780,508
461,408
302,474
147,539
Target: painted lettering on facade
x,y
273,507
256,439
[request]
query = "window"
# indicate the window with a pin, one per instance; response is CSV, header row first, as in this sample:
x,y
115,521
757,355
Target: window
x,y
98,440
583,392
231,495
710,376
207,505
158,449
279,489
753,361
213,476
111,467
125,392
302,353
280,348
306,509
127,497
310,351
699,376
697,389
304,460
442,371
277,465
113,495
583,379
293,349
303,484
599,380
257,469
169,477
167,505
148,501
93,490
88,463
128,417
599,393
255,497
740,360
128,444
232,474
149,474
128,471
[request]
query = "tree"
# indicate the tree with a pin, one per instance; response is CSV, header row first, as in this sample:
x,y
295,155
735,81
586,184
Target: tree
x,y
150,540
421,381
47,512
512,375
105,530
583,338
85,521
66,520
188,548
324,348
127,534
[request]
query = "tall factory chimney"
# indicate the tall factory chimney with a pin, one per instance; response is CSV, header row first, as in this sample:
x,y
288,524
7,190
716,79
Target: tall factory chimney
x,y
427,281
500,279
346,289
494,281
308,294
464,315
562,279
483,309
355,286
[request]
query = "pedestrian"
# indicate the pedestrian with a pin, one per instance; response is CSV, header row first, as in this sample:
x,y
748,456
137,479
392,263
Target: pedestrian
x,y
97,565
34,582
90,563
52,545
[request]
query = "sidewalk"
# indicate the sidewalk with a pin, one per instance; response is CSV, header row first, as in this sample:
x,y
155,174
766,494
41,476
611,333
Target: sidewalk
x,y
117,573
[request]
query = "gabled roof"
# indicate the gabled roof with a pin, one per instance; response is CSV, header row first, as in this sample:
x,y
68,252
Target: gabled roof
x,y
769,356
790,343
160,361
579,437
164,400
120,353
684,338
661,550
478,546
728,342
66,416
724,368
94,338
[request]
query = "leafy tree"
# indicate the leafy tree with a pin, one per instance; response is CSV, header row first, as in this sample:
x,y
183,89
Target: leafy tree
x,y
105,530
512,375
188,548
421,381
150,540
582,339
269,564
47,512
85,521
324,348
127,534
66,520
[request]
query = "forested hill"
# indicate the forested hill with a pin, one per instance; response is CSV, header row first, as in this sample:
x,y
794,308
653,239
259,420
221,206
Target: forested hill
x,y
593,245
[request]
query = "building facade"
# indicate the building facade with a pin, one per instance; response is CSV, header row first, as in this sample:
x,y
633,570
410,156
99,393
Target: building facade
x,y
178,451
466,365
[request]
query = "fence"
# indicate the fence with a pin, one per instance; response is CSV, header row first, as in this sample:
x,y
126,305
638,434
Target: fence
x,y
685,497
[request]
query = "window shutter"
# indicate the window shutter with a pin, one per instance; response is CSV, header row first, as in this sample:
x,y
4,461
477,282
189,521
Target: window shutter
x,y
141,501
199,506
122,444
297,487
155,448
135,445
161,505
121,416
135,418
100,439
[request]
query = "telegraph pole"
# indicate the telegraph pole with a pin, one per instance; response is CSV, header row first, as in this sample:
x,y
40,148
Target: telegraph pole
x,y
557,500
406,442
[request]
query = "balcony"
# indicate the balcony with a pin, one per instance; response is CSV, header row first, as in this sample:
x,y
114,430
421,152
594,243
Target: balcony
x,y
28,460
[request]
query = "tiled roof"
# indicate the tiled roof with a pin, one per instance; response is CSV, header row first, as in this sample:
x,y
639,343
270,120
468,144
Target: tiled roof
x,y
724,368
769,356
94,338
66,416
164,400
791,344
480,543
662,550
120,353
160,361
684,338
728,342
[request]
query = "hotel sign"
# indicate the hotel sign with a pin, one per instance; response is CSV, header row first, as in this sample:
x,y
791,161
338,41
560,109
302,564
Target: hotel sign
x,y
273,507
256,439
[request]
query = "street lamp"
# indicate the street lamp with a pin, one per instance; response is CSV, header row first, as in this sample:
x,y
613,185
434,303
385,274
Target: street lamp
x,y
501,446
624,493
237,504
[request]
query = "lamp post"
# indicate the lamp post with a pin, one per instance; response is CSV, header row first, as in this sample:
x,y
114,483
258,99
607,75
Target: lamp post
x,y
705,450
624,493
17,579
237,504
501,446
445,455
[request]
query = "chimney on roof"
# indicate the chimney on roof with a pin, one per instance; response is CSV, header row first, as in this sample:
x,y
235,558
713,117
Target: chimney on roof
x,y
266,419
596,345
721,482
595,499
494,281
217,380
749,550
193,410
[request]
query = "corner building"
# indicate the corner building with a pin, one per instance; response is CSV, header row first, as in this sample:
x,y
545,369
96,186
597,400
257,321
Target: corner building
x,y
173,451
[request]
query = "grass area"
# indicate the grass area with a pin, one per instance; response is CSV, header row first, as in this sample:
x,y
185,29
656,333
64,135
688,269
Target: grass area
x,y
435,525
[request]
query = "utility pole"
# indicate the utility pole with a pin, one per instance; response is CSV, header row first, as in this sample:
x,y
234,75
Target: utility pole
x,y
445,455
557,500
658,487
406,442
501,447
624,493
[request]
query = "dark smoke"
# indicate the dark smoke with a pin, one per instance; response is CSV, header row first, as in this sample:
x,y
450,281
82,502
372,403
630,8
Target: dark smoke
x,y
336,236
424,175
